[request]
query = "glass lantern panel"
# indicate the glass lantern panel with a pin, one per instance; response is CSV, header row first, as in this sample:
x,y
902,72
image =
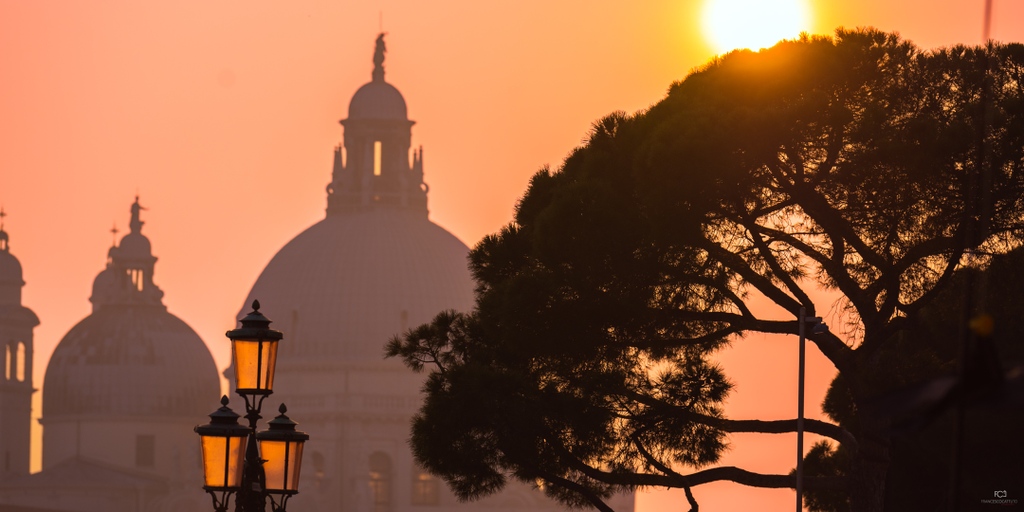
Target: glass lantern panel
x,y
223,459
254,364
284,460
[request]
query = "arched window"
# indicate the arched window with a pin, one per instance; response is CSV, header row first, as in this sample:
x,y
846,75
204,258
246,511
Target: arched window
x,y
425,488
136,275
19,372
380,481
7,362
377,149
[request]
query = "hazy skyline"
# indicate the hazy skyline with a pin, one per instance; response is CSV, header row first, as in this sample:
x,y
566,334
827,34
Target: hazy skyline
x,y
223,117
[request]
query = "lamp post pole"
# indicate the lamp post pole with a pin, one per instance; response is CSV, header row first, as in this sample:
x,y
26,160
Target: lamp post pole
x,y
818,327
237,459
800,416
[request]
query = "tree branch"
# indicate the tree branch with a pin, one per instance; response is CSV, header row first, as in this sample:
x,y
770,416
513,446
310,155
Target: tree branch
x,y
653,461
819,427
835,269
822,428
582,490
742,267
677,480
773,263
749,478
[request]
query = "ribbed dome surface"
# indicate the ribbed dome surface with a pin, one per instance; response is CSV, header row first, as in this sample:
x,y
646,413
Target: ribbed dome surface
x,y
130,361
346,285
377,100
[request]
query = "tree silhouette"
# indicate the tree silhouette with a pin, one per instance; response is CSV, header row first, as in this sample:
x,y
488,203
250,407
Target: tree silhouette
x,y
918,362
858,163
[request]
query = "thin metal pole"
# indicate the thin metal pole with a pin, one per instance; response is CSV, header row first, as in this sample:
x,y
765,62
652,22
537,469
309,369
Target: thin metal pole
x,y
800,417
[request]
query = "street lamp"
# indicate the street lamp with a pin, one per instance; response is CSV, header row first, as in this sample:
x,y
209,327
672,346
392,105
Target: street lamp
x,y
254,356
817,327
237,459
281,445
223,442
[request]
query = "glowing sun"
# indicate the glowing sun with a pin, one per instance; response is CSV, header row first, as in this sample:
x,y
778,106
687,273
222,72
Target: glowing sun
x,y
754,24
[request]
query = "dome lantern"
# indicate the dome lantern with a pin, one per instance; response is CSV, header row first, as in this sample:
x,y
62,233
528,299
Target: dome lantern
x,y
128,277
372,167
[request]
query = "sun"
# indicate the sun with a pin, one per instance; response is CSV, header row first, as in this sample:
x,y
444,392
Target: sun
x,y
754,24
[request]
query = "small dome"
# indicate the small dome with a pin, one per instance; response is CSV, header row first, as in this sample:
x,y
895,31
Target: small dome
x,y
10,269
135,246
105,287
130,361
377,100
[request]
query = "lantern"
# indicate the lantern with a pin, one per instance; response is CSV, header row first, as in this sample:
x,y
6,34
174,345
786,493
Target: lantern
x,y
223,442
281,448
254,354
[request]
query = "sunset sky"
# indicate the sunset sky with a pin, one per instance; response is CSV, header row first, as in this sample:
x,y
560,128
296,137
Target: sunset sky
x,y
223,115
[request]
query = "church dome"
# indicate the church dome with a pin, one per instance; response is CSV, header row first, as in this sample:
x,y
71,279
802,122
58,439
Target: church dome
x,y
130,357
130,361
343,287
377,100
106,287
135,246
10,268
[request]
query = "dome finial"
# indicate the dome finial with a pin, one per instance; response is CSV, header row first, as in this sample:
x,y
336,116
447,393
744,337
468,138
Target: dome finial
x,y
136,225
378,59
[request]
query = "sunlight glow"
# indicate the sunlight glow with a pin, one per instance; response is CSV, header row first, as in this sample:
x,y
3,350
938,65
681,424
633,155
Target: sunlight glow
x,y
754,24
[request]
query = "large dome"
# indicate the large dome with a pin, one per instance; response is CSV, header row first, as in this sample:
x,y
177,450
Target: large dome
x,y
130,357
377,100
135,361
343,287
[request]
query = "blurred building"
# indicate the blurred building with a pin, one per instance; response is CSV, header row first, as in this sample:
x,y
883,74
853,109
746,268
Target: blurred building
x,y
123,390
126,385
372,268
16,325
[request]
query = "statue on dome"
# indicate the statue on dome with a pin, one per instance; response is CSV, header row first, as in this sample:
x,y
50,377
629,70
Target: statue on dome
x,y
378,58
136,223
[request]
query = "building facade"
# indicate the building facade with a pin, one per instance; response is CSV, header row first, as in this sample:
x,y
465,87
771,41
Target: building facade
x,y
16,333
126,385
122,391
372,268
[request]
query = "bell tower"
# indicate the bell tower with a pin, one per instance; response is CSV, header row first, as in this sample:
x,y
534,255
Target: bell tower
x,y
372,167
16,325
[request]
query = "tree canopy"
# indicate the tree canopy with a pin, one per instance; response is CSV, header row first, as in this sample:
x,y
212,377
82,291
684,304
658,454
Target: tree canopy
x,y
857,163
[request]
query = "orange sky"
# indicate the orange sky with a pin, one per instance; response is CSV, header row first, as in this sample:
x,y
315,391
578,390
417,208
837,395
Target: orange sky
x,y
223,114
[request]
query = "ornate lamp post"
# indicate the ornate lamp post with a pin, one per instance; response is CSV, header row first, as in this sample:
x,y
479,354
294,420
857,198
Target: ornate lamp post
x,y
237,459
